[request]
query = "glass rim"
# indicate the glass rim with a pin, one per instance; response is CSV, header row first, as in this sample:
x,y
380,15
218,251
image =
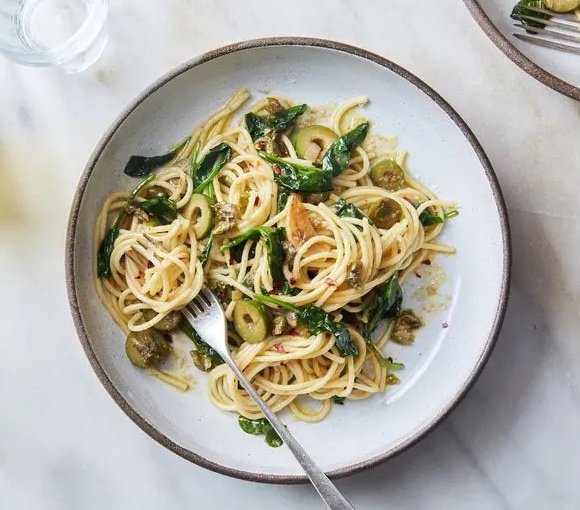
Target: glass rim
x,y
80,41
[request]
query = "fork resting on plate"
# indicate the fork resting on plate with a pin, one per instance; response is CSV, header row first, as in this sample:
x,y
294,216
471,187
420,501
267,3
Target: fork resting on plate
x,y
205,314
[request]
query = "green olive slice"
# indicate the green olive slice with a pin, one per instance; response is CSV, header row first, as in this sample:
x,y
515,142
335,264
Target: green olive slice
x,y
388,174
202,215
168,323
385,212
313,141
146,348
251,321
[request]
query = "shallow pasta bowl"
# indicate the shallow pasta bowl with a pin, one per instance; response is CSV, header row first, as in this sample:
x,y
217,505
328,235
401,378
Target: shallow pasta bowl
x,y
461,327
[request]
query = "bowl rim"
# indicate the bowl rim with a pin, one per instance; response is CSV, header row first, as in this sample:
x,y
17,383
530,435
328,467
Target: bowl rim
x,y
516,56
71,238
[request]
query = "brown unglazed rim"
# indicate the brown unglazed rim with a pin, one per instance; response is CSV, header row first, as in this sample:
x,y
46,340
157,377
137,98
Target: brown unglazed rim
x,y
515,55
70,261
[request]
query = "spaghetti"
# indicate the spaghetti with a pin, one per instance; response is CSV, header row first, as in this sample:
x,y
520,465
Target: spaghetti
x,y
340,246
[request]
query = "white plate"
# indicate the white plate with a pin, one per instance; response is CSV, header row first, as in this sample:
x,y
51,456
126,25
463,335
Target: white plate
x,y
443,363
556,69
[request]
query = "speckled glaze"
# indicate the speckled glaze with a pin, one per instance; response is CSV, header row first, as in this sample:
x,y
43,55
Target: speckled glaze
x,y
120,395
516,56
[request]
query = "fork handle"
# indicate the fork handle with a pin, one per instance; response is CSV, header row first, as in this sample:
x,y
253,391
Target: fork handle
x,y
327,490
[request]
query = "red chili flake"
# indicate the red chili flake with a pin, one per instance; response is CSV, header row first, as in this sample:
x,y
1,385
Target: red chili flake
x,y
150,264
273,292
293,332
277,169
445,325
427,262
279,347
330,282
167,338
140,274
257,201
417,275
232,261
292,281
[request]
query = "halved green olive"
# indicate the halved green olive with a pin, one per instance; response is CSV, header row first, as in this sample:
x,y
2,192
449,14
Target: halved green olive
x,y
388,174
251,321
202,215
405,327
146,348
313,141
385,213
562,5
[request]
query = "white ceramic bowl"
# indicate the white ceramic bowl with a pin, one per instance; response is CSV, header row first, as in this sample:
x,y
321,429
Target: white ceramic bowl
x,y
440,367
556,69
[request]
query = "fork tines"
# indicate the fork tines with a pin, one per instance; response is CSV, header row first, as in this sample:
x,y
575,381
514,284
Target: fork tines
x,y
564,27
199,303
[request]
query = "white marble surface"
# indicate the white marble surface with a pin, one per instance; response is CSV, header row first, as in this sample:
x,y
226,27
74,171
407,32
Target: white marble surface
x,y
513,443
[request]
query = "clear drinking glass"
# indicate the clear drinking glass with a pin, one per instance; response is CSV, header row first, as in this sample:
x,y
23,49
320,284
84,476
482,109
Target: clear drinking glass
x,y
66,33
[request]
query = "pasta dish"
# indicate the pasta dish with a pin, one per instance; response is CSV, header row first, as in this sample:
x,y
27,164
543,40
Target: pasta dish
x,y
303,222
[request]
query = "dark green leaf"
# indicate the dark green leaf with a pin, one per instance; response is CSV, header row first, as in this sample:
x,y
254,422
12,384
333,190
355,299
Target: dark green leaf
x,y
347,210
288,290
317,321
163,210
139,166
273,439
296,177
520,8
338,400
387,305
272,239
284,119
256,125
427,218
206,250
203,173
282,199
281,120
105,251
256,427
336,158
200,345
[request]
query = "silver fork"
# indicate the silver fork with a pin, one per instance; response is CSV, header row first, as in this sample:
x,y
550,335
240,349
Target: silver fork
x,y
207,317
563,28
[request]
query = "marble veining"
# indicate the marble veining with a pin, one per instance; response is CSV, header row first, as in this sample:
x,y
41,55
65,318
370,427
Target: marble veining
x,y
513,443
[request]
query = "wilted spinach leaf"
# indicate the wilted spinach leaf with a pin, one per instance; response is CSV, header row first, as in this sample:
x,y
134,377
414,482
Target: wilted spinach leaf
x,y
139,166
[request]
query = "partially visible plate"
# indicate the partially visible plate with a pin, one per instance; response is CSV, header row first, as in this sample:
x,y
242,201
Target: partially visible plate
x,y
460,331
556,69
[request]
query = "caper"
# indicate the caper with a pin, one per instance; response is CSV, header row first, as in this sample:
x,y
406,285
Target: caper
x,y
316,198
405,327
146,348
385,213
156,192
388,174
